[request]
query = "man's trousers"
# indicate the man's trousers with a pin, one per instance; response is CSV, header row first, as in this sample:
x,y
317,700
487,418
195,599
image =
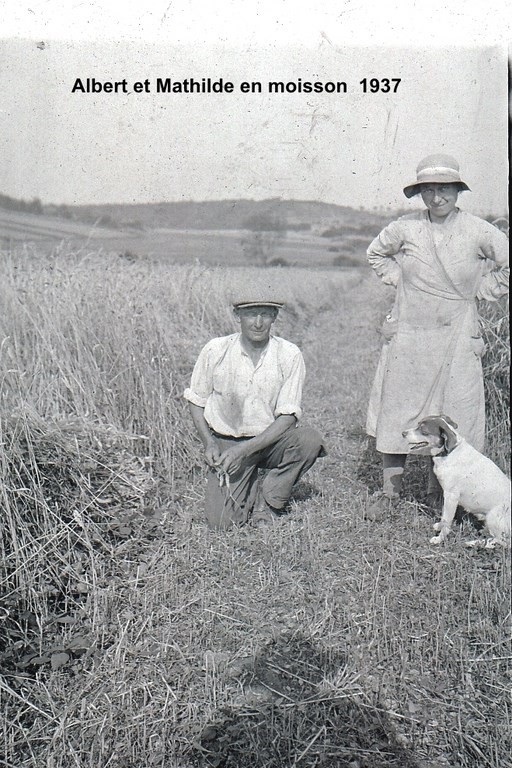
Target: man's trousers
x,y
286,460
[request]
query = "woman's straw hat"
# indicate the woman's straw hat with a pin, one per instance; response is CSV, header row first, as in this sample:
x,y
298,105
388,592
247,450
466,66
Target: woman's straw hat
x,y
436,169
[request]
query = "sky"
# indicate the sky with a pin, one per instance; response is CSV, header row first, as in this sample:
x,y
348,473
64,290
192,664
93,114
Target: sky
x,y
355,148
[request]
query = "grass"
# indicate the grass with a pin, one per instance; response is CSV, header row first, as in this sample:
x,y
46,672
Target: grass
x,y
132,636
496,363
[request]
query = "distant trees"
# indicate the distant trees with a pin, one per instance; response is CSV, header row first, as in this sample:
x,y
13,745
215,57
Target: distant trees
x,y
266,232
62,211
106,220
13,204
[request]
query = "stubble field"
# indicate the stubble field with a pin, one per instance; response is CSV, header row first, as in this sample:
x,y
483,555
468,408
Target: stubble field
x,y
131,636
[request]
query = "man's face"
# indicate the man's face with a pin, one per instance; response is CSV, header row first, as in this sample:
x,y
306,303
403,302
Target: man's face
x,y
256,322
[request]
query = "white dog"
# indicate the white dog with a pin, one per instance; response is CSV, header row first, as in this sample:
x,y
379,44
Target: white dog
x,y
467,478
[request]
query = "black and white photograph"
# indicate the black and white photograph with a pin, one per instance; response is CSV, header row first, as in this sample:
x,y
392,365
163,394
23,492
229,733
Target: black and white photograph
x,y
254,385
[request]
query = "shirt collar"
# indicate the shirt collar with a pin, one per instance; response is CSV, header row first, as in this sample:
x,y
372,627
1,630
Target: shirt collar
x,y
271,342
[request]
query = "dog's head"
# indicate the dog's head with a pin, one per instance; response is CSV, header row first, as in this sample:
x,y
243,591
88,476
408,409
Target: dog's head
x,y
433,436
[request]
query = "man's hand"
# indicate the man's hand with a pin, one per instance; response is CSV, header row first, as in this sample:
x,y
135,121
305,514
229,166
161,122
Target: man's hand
x,y
212,454
232,458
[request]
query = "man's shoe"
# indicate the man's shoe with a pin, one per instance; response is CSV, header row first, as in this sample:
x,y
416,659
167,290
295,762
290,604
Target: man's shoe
x,y
263,514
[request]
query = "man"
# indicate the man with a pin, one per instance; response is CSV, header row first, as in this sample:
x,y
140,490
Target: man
x,y
245,401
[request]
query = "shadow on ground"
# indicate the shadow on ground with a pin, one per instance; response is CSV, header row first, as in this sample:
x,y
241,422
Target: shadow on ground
x,y
298,711
304,491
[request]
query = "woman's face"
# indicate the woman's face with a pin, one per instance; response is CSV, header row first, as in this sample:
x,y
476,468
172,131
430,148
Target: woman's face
x,y
440,199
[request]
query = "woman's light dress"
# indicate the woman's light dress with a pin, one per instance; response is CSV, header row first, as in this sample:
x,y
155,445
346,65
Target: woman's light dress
x,y
431,361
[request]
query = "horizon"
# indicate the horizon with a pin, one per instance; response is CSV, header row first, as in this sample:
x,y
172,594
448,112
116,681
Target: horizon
x,y
355,149
408,206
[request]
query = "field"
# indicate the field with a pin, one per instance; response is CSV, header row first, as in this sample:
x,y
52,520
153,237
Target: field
x,y
208,233
133,637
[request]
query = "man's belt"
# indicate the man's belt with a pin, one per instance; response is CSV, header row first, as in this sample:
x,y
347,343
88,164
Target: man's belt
x,y
230,437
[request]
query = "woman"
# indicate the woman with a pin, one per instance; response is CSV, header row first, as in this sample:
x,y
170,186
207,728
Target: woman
x,y
440,260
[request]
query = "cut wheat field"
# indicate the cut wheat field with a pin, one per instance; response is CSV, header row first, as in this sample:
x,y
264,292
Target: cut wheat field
x,y
133,637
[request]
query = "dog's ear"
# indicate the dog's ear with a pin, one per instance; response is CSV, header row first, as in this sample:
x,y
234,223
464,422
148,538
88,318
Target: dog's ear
x,y
449,421
448,427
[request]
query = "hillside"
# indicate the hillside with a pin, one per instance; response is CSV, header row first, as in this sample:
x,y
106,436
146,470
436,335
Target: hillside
x,y
21,226
215,232
226,214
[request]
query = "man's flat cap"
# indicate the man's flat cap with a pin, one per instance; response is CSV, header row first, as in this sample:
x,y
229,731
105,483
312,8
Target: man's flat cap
x,y
257,298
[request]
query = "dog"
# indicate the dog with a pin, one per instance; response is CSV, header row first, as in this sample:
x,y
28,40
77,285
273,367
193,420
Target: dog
x,y
467,478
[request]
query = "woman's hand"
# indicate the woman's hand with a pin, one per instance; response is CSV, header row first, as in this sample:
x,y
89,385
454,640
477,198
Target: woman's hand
x,y
389,328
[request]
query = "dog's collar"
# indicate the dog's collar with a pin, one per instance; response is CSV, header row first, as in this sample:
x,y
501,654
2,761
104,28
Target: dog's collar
x,y
445,450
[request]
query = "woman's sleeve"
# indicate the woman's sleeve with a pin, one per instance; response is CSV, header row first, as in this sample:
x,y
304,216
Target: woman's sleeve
x,y
495,249
382,251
